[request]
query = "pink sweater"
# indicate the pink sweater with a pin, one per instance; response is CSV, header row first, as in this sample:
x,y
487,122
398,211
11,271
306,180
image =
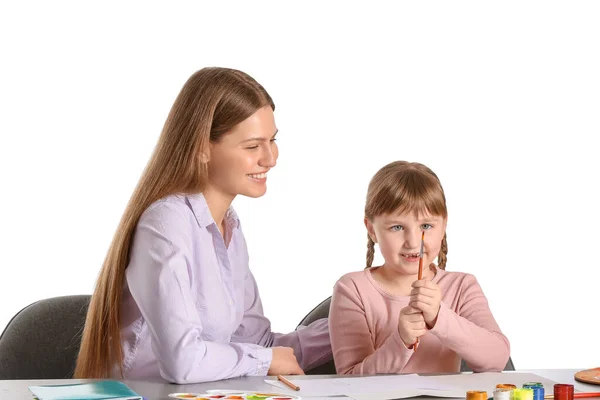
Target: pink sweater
x,y
363,324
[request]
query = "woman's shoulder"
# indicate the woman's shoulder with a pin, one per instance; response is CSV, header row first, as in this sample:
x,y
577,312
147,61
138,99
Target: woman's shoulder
x,y
170,206
169,213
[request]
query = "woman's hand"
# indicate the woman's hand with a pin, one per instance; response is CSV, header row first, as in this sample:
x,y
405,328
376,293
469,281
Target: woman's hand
x,y
284,362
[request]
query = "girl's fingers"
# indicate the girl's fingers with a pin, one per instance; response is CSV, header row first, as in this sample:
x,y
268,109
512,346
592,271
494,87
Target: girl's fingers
x,y
409,310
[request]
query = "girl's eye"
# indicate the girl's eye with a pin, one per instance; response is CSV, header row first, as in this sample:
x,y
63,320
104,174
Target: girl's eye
x,y
426,226
273,140
396,228
252,147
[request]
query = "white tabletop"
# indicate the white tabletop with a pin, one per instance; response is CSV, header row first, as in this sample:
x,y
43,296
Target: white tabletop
x,y
18,390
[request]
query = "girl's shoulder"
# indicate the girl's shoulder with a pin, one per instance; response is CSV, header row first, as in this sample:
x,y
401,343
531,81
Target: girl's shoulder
x,y
354,277
456,279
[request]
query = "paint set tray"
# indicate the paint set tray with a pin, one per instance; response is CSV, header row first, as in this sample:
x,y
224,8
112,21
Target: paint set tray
x,y
232,395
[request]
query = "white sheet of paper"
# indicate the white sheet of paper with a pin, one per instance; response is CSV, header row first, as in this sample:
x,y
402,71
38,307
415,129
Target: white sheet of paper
x,y
411,385
328,398
403,386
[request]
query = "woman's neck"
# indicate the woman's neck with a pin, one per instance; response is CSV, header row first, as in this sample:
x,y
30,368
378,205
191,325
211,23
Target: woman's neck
x,y
218,204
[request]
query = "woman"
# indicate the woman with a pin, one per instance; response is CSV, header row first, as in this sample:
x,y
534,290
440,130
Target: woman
x,y
175,298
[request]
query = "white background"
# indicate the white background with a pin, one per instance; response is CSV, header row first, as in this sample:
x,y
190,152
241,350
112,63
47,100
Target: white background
x,y
500,99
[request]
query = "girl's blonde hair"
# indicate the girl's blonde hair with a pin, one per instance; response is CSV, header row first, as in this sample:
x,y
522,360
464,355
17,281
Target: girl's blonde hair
x,y
404,187
211,103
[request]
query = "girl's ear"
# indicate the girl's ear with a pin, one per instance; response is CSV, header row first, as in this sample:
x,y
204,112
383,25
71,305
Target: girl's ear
x,y
370,230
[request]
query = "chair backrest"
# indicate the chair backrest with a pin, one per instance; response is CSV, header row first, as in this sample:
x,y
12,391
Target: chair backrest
x,y
42,340
322,311
465,368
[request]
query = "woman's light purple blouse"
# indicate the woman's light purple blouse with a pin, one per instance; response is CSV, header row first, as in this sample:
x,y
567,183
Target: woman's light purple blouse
x,y
191,311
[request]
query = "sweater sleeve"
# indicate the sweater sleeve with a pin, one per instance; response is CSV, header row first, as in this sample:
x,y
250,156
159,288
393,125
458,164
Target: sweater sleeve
x,y
351,340
471,331
310,343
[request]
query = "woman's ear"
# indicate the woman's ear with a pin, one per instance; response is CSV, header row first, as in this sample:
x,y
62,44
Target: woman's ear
x,y
370,230
204,158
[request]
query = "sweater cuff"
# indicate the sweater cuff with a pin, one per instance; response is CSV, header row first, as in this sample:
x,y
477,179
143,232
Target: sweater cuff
x,y
441,325
401,344
263,356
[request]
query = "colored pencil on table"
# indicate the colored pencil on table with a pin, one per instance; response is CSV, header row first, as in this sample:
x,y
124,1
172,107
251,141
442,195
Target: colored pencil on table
x,y
420,276
288,383
577,395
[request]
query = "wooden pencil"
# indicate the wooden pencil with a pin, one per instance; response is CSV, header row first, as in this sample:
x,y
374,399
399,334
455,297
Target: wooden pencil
x,y
421,256
288,383
420,276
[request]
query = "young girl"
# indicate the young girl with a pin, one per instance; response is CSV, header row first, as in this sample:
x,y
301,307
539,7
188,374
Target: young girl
x,y
175,299
378,314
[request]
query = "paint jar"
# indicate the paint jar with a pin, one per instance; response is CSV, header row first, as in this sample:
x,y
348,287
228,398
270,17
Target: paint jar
x,y
532,384
502,393
477,395
522,394
563,391
538,392
506,386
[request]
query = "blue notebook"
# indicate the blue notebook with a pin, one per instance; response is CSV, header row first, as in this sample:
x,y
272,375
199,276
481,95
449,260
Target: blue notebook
x,y
99,390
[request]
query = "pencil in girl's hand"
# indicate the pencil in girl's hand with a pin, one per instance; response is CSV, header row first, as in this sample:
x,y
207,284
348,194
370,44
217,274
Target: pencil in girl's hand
x,y
420,274
421,256
288,383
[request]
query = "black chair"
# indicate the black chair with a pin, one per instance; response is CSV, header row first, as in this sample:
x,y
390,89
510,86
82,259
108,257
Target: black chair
x,y
465,368
322,311
42,340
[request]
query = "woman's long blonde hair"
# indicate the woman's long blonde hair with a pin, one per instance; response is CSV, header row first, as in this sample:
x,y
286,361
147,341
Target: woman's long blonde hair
x,y
211,102
405,187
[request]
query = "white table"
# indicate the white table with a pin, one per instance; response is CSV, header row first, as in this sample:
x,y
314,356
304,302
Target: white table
x,y
18,390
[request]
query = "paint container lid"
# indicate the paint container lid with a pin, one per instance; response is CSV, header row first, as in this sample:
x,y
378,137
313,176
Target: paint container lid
x,y
477,395
502,394
522,394
532,384
563,391
506,386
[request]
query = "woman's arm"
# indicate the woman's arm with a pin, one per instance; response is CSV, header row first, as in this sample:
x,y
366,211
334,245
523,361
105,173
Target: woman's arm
x,y
311,344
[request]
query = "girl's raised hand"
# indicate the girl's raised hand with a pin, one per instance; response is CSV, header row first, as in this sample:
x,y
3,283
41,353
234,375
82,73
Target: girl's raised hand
x,y
411,325
426,297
